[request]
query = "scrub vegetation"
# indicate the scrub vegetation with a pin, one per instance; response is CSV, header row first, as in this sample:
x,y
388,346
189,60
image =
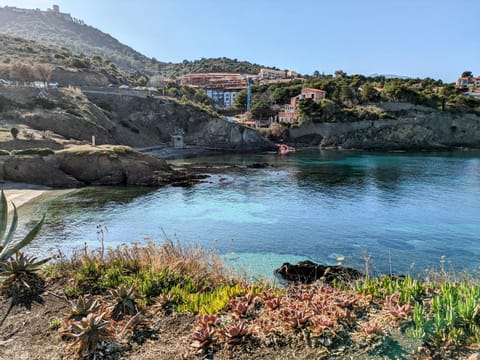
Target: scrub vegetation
x,y
113,298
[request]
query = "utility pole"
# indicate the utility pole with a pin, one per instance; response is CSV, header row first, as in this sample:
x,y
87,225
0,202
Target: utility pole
x,y
249,93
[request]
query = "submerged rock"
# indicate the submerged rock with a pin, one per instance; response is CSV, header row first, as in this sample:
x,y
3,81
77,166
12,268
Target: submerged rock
x,y
306,272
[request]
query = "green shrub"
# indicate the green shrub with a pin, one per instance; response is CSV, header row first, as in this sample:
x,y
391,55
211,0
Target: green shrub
x,y
7,248
14,131
73,112
34,151
44,103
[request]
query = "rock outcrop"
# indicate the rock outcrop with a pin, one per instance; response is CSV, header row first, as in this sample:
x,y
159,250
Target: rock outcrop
x,y
408,127
306,272
87,165
161,118
127,117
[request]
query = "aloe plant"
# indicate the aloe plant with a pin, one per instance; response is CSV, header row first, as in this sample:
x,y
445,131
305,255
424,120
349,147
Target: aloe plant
x,y
7,247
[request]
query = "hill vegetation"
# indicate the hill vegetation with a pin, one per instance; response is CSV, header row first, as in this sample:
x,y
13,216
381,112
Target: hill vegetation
x,y
221,65
350,98
74,36
18,52
49,27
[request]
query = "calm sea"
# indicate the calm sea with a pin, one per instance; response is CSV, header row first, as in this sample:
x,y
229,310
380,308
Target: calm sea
x,y
403,210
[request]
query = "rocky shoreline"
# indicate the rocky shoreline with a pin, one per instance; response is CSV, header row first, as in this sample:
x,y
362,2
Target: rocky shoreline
x,y
92,166
408,127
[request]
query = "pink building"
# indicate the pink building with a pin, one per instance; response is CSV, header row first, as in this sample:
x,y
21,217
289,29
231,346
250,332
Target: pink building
x,y
289,113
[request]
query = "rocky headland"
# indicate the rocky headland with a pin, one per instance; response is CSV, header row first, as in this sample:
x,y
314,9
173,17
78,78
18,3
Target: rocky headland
x,y
405,126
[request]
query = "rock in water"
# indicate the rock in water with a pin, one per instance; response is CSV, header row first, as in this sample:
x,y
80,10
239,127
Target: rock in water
x,y
306,272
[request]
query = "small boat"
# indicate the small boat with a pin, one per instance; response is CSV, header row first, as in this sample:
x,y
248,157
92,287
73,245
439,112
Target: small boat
x,y
284,149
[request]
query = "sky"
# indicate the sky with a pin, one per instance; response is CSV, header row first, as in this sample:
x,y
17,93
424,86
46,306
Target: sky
x,y
416,38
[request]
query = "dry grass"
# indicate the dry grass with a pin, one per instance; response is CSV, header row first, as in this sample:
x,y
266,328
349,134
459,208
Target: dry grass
x,y
197,262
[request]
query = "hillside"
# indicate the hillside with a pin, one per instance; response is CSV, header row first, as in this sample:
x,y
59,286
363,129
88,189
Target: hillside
x,y
74,36
222,65
69,68
56,28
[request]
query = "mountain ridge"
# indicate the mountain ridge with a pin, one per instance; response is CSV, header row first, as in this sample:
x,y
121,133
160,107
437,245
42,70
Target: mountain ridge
x,y
61,29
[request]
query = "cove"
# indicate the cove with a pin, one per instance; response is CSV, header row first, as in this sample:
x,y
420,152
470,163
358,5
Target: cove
x,y
403,210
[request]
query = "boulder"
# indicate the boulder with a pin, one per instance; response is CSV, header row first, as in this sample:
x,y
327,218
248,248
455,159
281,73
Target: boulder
x,y
111,165
87,165
35,169
306,272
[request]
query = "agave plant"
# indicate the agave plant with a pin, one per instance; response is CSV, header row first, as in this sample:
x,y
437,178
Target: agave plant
x,y
125,301
82,307
89,333
7,248
22,282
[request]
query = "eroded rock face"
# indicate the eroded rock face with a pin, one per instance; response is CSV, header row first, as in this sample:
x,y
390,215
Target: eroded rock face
x,y
409,127
87,165
306,272
162,117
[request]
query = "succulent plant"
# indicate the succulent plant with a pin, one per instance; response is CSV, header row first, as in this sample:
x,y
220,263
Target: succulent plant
x,y
236,332
82,307
89,333
273,303
206,320
7,248
22,282
295,319
125,299
401,311
203,339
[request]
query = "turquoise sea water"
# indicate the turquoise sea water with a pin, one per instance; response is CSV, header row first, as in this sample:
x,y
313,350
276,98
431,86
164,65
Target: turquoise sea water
x,y
403,210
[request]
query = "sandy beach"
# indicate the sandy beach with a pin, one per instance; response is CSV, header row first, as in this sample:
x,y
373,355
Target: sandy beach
x,y
21,193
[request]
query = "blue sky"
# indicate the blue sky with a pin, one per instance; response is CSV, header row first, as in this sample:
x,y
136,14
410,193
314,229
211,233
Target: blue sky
x,y
418,38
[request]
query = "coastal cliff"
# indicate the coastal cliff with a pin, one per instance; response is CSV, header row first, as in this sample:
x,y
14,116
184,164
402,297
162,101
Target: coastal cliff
x,y
131,118
405,127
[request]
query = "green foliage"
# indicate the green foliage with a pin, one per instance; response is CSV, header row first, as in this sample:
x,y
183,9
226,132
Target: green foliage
x,y
83,306
79,63
282,94
241,100
316,111
44,103
55,323
369,93
451,315
142,81
204,65
410,289
34,151
125,301
14,131
261,109
22,282
209,302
